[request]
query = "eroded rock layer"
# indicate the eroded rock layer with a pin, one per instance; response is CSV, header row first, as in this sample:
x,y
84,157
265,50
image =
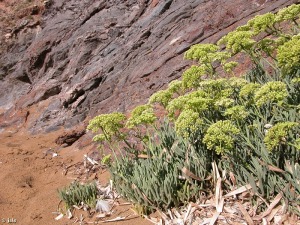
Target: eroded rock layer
x,y
89,57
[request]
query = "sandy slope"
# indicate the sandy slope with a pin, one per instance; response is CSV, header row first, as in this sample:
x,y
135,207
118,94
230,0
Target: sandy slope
x,y
29,179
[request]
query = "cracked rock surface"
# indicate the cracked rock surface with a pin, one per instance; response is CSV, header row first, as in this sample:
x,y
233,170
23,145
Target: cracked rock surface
x,y
89,57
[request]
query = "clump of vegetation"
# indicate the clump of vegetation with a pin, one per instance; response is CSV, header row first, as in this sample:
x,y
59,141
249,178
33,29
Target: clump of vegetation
x,y
79,195
245,125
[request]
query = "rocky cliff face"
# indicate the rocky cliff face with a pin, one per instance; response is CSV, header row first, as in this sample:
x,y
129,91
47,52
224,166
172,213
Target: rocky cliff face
x,y
83,58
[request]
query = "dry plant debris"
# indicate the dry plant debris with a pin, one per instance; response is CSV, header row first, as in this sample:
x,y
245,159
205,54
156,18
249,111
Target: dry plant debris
x,y
107,199
232,208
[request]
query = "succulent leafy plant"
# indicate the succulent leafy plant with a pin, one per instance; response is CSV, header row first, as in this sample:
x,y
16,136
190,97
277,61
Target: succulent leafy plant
x,y
247,125
79,194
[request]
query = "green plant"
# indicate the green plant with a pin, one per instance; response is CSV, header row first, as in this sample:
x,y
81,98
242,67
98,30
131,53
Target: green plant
x,y
237,41
221,136
106,160
79,194
163,97
246,125
108,124
142,114
154,182
274,92
289,54
277,135
289,13
188,122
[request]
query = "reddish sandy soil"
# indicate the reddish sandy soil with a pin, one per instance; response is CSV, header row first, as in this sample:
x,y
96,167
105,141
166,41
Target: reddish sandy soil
x,y
30,178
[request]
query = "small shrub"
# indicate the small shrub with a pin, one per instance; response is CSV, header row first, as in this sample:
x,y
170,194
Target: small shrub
x,y
79,194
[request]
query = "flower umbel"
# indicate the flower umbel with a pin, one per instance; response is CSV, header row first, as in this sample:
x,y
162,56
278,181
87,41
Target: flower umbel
x,y
274,92
277,134
288,55
188,122
288,13
238,41
238,113
192,76
109,124
142,114
262,23
221,136
163,97
247,92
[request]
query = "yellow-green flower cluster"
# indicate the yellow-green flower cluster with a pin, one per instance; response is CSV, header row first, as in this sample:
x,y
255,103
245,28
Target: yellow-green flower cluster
x,y
198,104
106,160
288,55
273,92
282,39
268,45
221,57
207,54
224,102
289,13
176,104
142,114
278,134
221,136
296,80
261,23
247,92
217,89
163,97
101,137
188,122
228,67
243,38
243,28
188,101
212,85
109,124
237,113
192,76
297,143
175,86
237,82
238,41
202,52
